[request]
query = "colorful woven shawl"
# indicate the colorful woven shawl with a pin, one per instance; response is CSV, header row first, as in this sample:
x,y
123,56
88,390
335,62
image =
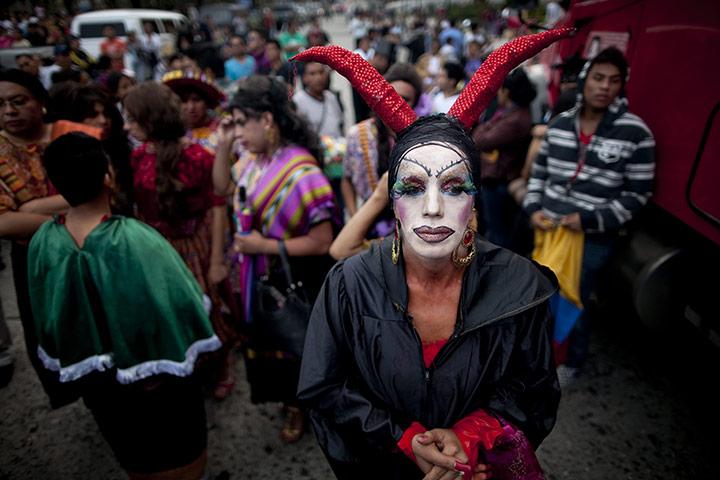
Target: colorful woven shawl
x,y
288,194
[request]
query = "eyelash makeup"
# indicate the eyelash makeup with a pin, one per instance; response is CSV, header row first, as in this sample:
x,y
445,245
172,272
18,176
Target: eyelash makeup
x,y
455,187
412,186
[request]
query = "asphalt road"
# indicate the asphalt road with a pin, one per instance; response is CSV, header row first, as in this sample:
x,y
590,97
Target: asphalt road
x,y
645,408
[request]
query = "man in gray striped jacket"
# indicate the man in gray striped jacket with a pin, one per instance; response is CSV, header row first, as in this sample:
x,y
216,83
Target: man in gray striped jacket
x,y
594,171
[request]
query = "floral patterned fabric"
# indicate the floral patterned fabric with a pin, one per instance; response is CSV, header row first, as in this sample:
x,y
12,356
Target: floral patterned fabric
x,y
205,136
22,176
194,170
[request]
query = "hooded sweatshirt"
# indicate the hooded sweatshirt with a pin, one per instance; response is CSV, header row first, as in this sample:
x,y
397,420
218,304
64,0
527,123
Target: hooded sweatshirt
x,y
616,178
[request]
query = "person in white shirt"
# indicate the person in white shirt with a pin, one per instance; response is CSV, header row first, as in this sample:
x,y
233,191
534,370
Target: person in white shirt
x,y
318,104
32,65
358,26
447,87
364,49
472,35
149,43
448,50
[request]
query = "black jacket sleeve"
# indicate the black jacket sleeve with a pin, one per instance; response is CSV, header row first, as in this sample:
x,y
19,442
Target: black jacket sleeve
x,y
344,409
530,395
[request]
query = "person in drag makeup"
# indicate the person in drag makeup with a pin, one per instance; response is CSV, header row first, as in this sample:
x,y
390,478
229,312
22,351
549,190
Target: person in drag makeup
x,y
428,355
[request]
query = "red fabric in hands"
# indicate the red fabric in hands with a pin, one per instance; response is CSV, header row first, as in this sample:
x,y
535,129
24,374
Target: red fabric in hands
x,y
405,443
476,430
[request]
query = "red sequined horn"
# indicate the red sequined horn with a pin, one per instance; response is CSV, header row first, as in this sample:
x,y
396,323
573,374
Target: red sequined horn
x,y
376,91
488,79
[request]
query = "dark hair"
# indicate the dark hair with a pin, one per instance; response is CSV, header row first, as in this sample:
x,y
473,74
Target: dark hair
x,y
66,75
274,42
454,70
20,55
565,101
613,56
32,84
113,81
24,79
436,129
260,31
103,62
405,72
184,91
76,165
83,98
209,58
520,88
157,110
262,93
184,35
76,103
59,96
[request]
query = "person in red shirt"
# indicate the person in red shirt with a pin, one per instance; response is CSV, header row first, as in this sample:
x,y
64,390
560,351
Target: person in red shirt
x,y
113,47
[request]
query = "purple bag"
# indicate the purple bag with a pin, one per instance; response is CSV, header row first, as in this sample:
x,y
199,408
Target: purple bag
x,y
512,457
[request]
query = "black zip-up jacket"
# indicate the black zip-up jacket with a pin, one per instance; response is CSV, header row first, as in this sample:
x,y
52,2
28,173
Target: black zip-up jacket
x,y
363,373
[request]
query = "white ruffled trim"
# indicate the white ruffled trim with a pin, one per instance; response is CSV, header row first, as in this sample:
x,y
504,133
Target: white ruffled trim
x,y
207,303
137,372
179,369
76,370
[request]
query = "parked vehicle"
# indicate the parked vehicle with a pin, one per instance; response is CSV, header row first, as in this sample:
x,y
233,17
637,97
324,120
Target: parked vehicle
x,y
669,257
89,26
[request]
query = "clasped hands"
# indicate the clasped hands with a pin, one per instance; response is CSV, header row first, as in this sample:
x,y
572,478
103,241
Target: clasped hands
x,y
540,220
440,456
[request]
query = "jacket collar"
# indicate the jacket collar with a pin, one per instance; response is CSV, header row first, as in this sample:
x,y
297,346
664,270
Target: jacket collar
x,y
497,284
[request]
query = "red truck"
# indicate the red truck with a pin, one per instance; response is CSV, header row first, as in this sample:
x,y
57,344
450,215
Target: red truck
x,y
669,255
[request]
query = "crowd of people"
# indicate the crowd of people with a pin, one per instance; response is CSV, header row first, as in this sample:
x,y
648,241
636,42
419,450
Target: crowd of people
x,y
215,166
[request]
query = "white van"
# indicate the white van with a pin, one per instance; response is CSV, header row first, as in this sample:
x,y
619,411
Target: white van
x,y
89,26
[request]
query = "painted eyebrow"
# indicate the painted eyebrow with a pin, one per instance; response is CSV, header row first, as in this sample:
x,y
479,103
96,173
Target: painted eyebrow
x,y
412,160
449,166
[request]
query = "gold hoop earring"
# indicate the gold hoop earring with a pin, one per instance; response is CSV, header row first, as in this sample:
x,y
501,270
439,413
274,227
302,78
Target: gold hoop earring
x,y
468,242
395,243
270,135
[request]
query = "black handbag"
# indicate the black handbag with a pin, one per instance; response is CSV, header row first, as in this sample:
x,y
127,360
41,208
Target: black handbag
x,y
280,318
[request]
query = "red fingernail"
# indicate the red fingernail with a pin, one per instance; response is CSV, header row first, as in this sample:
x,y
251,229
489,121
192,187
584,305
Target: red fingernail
x,y
462,467
422,437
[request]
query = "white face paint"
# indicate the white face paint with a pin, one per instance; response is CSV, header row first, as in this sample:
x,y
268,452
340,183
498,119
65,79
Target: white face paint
x,y
433,195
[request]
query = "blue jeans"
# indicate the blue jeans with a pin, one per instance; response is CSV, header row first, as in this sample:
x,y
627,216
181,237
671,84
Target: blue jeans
x,y
596,252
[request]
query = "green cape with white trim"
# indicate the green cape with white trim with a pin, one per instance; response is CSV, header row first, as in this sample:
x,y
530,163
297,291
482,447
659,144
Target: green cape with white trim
x,y
125,300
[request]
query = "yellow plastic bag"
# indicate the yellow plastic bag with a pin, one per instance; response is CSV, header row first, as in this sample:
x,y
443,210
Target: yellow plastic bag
x,y
561,250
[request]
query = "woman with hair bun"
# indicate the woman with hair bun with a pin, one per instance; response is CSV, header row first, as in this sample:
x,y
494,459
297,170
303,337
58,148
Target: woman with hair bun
x,y
292,207
172,180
